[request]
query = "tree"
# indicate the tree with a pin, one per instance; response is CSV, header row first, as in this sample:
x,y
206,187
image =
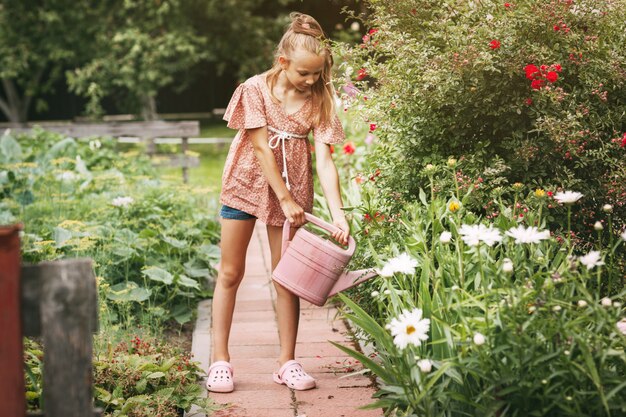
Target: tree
x,y
37,39
141,46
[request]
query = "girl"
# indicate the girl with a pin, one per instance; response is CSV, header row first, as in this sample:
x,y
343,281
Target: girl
x,y
274,113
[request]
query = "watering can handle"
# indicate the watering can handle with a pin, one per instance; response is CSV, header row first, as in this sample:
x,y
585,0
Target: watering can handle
x,y
318,222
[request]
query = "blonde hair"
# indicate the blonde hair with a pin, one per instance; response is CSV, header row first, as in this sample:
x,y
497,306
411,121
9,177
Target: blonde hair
x,y
306,33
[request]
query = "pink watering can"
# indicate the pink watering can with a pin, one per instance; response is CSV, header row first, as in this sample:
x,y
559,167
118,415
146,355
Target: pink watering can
x,y
312,267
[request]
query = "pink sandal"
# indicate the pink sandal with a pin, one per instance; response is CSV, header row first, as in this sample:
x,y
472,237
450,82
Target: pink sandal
x,y
220,378
292,375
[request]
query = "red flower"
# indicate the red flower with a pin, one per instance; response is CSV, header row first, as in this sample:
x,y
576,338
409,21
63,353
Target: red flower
x,y
531,70
494,44
550,193
361,74
552,76
537,84
528,101
557,67
372,31
623,141
373,127
556,28
349,148
332,149
508,5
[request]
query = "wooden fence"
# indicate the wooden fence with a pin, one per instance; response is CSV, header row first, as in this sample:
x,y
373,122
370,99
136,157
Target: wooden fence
x,y
148,132
56,301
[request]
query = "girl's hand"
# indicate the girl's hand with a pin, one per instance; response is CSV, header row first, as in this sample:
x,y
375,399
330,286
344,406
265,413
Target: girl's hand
x,y
293,212
342,235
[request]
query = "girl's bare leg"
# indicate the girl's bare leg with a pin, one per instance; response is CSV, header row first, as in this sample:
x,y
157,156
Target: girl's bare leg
x,y
287,304
236,236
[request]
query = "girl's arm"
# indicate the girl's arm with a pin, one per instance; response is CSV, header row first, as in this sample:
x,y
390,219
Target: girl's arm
x,y
293,211
329,179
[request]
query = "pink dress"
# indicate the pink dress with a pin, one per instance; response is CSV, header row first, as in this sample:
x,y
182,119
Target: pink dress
x,y
244,186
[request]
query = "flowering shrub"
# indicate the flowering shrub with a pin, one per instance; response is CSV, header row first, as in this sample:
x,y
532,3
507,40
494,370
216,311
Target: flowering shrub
x,y
533,90
488,317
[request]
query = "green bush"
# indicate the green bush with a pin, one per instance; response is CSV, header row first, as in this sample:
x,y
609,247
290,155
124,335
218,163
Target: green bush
x,y
530,92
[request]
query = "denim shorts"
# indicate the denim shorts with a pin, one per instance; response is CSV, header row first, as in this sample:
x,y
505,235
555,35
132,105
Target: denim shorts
x,y
234,214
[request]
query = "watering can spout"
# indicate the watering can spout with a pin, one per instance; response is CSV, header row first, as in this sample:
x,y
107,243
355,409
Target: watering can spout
x,y
349,279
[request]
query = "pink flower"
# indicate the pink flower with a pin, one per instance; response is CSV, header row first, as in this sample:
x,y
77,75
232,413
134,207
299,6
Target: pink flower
x,y
369,138
349,148
552,76
494,44
350,90
528,101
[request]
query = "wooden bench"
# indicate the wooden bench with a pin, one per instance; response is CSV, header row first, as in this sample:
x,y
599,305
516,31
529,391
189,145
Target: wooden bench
x,y
56,301
148,132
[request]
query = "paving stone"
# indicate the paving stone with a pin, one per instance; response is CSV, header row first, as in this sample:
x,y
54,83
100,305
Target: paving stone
x,y
255,399
254,347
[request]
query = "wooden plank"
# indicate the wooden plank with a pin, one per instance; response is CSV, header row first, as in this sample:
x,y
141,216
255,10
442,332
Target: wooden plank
x,y
12,400
96,413
153,129
68,296
183,150
31,311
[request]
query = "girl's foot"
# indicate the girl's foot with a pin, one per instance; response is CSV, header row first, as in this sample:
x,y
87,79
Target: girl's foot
x,y
292,375
220,378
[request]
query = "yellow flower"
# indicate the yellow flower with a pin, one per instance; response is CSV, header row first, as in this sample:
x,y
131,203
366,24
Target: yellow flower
x,y
44,242
454,206
518,186
71,224
451,162
540,193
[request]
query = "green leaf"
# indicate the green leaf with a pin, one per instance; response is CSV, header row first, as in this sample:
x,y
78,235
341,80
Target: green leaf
x,y
157,274
185,281
178,244
10,150
156,375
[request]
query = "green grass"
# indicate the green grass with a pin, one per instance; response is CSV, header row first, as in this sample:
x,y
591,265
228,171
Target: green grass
x,y
212,157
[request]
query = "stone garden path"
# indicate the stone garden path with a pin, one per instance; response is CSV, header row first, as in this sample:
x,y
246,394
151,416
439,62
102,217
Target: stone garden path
x,y
254,348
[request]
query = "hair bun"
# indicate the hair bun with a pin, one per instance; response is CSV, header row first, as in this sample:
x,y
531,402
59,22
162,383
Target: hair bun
x,y
305,24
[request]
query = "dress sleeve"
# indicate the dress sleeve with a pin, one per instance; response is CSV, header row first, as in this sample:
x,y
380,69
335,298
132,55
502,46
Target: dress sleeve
x,y
245,109
329,132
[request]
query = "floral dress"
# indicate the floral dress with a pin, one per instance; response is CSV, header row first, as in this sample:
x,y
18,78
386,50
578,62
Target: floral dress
x,y
244,185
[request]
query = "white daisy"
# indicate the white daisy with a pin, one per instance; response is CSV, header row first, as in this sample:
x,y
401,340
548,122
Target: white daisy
x,y
507,265
623,235
402,263
409,328
592,259
425,365
445,237
621,326
122,201
567,197
474,234
530,234
479,339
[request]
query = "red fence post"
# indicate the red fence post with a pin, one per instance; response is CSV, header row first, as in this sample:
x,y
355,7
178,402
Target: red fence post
x,y
12,397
